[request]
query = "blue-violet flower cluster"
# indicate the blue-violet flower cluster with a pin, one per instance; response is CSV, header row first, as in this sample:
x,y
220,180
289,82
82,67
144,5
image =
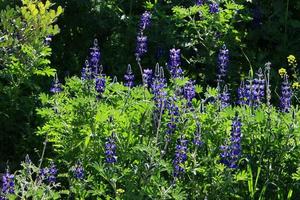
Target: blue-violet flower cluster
x,y
232,152
180,156
110,150
286,95
129,77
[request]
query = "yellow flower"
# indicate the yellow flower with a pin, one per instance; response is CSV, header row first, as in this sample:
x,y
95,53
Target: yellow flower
x,y
120,191
282,72
296,85
292,60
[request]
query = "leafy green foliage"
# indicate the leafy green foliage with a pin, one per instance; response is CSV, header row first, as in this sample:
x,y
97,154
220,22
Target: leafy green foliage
x,y
78,124
24,57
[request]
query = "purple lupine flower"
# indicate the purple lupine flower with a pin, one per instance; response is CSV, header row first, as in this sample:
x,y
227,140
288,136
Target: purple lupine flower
x,y
174,60
241,94
199,2
223,59
286,95
225,98
56,85
248,92
86,72
94,58
174,63
52,172
110,150
147,77
141,46
180,156
129,77
258,88
100,84
158,88
78,171
232,152
254,90
8,183
189,91
213,8
43,173
145,20
197,137
173,112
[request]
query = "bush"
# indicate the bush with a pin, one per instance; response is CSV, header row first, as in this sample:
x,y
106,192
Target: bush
x,y
162,142
24,60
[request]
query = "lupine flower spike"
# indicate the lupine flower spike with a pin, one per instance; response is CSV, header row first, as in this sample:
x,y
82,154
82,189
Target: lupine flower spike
x,y
94,60
213,8
197,137
145,20
180,156
189,92
52,172
158,88
56,85
86,72
141,47
100,83
241,94
110,149
78,170
129,77
173,112
199,2
231,152
225,98
223,60
286,95
8,183
147,77
174,63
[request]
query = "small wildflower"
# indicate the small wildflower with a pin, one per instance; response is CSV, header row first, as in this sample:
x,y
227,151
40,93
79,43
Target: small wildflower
x,y
8,184
213,8
292,60
78,171
94,55
100,85
241,94
141,47
145,20
286,95
52,172
158,88
174,63
282,72
180,156
189,91
225,98
56,85
296,85
129,77
232,152
147,77
223,60
197,137
199,2
110,150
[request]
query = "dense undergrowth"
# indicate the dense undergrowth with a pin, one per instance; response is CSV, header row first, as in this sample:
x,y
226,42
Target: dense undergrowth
x,y
157,133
